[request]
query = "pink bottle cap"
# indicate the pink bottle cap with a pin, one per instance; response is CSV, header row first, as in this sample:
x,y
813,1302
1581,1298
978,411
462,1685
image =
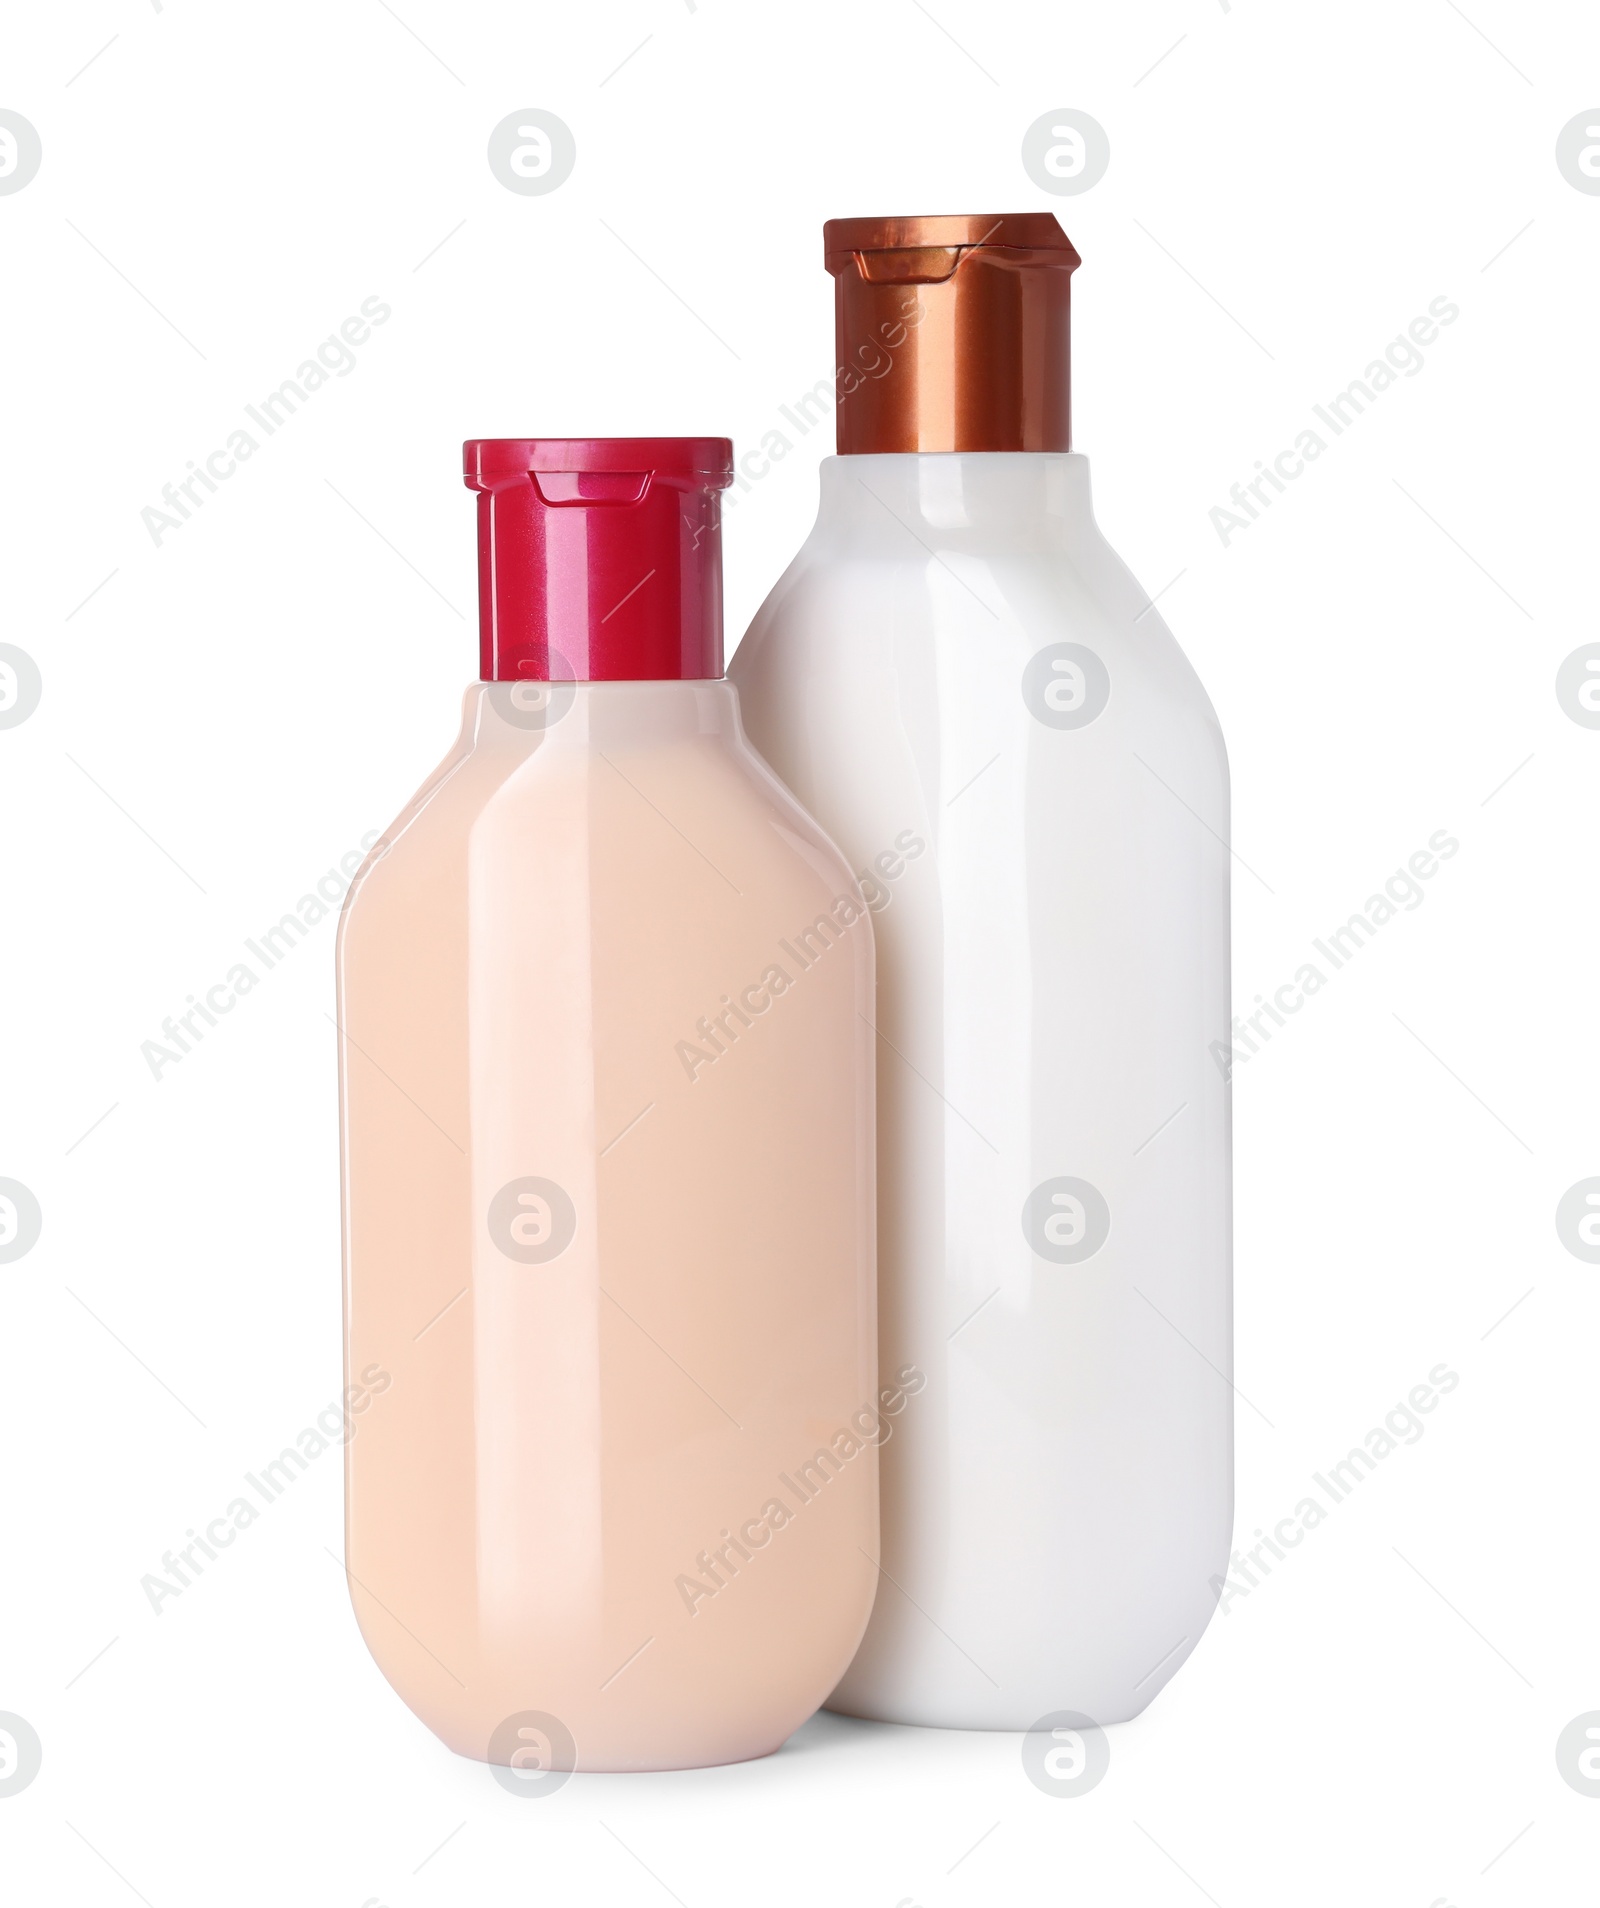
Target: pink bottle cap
x,y
599,558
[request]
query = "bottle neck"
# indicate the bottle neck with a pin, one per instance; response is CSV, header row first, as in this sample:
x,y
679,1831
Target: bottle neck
x,y
521,716
979,501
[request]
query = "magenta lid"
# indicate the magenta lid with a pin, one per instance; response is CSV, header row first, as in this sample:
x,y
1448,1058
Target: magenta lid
x,y
599,558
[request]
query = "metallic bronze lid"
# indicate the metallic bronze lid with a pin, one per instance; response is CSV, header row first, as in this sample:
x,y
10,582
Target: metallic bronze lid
x,y
953,332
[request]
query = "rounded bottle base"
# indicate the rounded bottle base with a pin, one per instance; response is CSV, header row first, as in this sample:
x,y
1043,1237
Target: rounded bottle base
x,y
999,1721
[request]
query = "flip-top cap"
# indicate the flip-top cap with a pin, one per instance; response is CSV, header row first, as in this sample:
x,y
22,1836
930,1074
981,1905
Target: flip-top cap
x,y
599,558
953,332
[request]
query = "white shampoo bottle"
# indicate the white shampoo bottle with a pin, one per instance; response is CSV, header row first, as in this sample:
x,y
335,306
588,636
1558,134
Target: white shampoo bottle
x,y
956,658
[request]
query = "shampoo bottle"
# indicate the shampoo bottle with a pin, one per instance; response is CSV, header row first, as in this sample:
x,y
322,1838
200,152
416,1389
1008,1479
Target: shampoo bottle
x,y
957,657
606,1093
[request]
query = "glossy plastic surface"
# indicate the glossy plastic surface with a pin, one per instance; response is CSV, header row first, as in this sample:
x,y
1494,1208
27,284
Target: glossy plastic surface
x,y
952,333
608,1128
957,652
599,558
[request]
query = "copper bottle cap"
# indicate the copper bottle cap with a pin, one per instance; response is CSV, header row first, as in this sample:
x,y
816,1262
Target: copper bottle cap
x,y
953,332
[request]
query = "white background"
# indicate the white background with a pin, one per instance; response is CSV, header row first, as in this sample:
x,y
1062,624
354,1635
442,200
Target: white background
x,y
225,715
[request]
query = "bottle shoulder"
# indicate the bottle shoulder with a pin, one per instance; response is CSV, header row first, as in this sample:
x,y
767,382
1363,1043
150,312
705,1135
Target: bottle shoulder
x,y
850,623
580,795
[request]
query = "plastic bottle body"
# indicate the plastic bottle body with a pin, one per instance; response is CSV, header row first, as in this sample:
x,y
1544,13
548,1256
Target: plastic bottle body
x,y
608,1170
957,652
